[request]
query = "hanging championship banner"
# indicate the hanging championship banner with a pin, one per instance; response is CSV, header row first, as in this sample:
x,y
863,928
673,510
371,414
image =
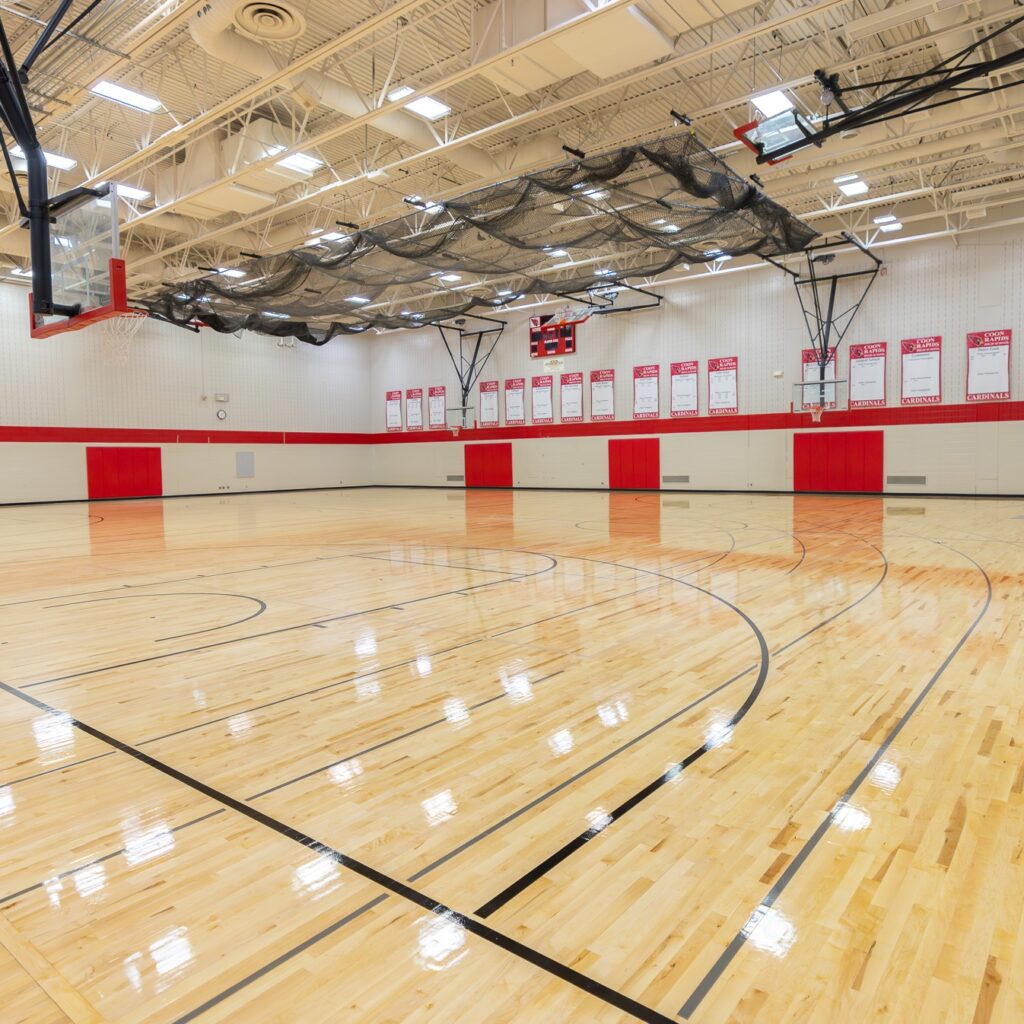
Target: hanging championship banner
x,y
921,371
988,366
723,388
571,397
867,375
515,405
645,392
809,398
602,394
393,410
540,396
414,409
488,403
683,400
436,407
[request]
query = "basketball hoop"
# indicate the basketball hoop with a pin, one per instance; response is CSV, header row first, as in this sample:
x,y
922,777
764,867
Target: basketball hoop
x,y
118,333
816,411
455,430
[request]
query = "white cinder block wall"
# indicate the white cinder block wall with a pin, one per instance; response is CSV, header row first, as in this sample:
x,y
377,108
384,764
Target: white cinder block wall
x,y
929,288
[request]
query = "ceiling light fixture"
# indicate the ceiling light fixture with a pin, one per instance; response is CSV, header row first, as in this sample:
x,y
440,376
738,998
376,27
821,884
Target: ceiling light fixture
x,y
126,97
63,163
301,162
400,93
230,272
428,107
772,103
854,188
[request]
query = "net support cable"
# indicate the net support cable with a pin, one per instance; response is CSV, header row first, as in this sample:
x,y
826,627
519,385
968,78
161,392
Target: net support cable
x,y
474,345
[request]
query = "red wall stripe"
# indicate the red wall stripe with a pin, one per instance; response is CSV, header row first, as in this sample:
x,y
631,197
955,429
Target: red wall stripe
x,y
986,412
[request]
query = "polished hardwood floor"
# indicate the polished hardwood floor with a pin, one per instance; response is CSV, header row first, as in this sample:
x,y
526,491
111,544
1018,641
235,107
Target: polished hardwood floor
x,y
439,756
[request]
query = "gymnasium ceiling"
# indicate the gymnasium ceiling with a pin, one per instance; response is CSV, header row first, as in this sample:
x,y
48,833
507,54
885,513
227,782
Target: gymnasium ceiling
x,y
245,84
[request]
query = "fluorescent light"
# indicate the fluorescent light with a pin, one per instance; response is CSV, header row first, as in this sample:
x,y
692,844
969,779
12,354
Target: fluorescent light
x,y
317,231
400,93
130,98
230,272
607,273
130,192
714,252
428,107
301,162
885,218
451,278
854,188
671,228
772,103
275,316
845,177
359,300
892,226
376,173
333,236
18,272
503,293
660,220
596,193
64,163
557,253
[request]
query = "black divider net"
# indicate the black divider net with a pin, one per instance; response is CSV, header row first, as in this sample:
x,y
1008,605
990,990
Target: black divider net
x,y
628,214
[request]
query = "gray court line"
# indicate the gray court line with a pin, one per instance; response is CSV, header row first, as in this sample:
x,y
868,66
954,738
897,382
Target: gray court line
x,y
706,983
440,565
59,768
99,860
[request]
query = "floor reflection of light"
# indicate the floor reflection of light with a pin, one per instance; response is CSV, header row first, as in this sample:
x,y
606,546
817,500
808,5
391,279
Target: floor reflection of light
x,y
142,844
456,712
518,688
423,665
54,736
849,817
771,931
367,689
441,942
598,819
171,952
613,713
886,776
199,698
346,773
7,807
717,733
317,877
238,725
561,742
440,807
366,644
673,771
89,880
54,887
132,972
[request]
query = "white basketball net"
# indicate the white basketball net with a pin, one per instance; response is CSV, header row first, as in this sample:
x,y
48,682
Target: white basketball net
x,y
117,335
570,314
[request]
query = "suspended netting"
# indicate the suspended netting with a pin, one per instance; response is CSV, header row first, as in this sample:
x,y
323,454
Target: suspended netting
x,y
630,213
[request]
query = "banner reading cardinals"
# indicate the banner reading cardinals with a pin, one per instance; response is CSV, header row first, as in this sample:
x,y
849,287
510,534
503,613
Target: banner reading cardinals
x,y
571,397
393,410
602,394
645,392
867,375
988,366
683,401
809,397
540,396
921,371
515,405
723,387
488,403
414,409
436,407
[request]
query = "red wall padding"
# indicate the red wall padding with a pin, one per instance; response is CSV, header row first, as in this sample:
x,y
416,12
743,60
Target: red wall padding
x,y
124,472
635,462
848,460
489,465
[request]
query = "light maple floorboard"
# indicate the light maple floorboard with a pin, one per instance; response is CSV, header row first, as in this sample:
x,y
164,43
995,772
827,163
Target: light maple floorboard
x,y
411,755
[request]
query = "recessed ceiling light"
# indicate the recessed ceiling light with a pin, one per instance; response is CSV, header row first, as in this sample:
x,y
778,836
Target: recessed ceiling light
x,y
19,272
301,162
885,218
607,273
130,98
359,300
400,93
772,103
130,192
596,193
845,177
376,173
428,107
891,226
275,316
557,253
333,236
671,228
854,188
230,272
451,278
64,163
504,293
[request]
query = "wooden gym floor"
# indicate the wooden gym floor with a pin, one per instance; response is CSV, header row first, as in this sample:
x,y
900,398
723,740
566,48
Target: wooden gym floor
x,y
413,755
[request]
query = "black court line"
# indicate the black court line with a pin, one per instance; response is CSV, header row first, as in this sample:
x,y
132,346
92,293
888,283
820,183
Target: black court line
x,y
439,565
379,878
387,743
706,983
522,883
279,630
100,860
59,768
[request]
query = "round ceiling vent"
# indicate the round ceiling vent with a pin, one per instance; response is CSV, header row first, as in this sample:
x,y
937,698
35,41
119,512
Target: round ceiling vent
x,y
269,20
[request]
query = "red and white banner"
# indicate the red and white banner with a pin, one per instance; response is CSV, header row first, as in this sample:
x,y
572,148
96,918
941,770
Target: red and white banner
x,y
867,375
540,398
414,409
723,386
921,371
645,392
809,397
393,410
515,403
488,403
571,397
602,394
436,407
683,401
988,366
